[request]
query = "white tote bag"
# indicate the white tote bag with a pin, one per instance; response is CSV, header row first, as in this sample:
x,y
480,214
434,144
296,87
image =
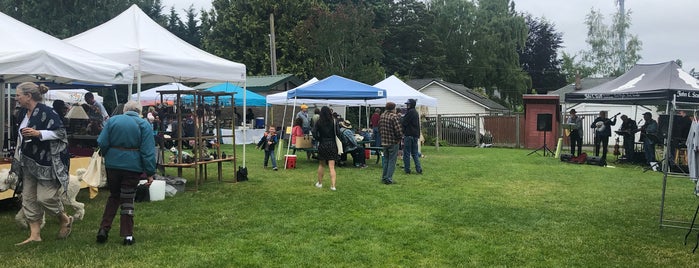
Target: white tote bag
x,y
96,175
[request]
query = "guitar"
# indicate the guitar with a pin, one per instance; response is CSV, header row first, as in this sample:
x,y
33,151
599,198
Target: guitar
x,y
616,147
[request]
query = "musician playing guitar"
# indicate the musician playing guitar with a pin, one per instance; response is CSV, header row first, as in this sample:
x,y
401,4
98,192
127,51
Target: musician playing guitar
x,y
603,131
649,133
627,130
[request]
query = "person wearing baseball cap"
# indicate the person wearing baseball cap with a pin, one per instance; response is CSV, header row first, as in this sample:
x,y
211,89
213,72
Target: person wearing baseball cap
x,y
411,138
576,132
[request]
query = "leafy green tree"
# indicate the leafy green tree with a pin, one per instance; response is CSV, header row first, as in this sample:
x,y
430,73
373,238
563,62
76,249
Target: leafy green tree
x,y
343,42
539,57
66,18
499,33
240,31
570,67
453,22
411,47
605,55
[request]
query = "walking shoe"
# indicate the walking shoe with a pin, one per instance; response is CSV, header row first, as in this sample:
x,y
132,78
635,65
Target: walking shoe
x,y
332,188
102,236
274,168
319,185
129,240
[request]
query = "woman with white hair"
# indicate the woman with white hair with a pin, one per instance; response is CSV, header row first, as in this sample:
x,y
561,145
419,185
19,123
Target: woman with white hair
x,y
128,147
44,161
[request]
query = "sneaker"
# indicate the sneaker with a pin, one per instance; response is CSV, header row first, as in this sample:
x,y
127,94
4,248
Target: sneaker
x,y
129,240
274,168
319,185
332,188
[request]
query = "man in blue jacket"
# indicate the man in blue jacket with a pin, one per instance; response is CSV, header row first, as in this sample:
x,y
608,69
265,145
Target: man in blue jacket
x,y
128,147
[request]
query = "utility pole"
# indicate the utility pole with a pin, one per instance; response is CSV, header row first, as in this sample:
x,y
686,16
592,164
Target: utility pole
x,y
622,36
272,45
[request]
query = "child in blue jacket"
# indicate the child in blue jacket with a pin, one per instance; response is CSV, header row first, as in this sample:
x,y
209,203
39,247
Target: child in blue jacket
x,y
267,143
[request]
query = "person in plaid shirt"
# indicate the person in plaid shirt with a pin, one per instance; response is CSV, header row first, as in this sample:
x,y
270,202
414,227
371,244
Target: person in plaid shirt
x,y
391,135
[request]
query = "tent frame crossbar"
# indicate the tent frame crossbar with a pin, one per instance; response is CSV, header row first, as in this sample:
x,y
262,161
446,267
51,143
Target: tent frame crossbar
x,y
672,108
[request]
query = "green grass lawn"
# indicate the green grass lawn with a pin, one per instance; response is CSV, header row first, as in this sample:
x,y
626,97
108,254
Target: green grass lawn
x,y
473,207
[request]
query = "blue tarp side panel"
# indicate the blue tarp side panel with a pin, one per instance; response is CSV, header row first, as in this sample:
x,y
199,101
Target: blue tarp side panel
x,y
253,99
337,87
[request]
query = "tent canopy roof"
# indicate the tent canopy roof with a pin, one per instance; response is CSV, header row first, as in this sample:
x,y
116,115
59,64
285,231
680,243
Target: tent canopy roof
x,y
151,96
252,98
643,84
337,87
134,38
399,92
31,55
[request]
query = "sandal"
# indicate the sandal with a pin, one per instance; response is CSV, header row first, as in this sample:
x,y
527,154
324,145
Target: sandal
x,y
65,231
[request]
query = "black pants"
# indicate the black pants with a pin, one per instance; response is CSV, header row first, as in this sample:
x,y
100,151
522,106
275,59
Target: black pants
x,y
629,147
122,190
575,140
358,157
604,141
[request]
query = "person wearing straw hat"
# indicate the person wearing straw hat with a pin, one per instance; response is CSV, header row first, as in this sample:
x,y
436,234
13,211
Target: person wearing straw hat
x,y
350,146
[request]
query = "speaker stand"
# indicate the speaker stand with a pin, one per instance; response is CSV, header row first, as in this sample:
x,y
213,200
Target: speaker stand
x,y
543,148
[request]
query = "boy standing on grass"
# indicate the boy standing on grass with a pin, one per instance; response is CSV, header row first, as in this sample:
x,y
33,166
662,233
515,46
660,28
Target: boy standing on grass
x,y
267,143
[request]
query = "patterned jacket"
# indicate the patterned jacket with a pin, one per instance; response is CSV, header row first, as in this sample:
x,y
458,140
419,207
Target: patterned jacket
x,y
390,128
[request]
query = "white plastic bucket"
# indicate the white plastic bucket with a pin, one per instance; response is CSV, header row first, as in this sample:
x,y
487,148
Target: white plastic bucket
x,y
157,190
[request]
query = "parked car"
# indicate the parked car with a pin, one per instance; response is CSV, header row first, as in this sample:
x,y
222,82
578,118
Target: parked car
x,y
457,132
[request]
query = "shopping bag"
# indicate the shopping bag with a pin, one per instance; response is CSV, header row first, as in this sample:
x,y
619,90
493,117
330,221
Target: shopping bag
x,y
95,175
303,142
339,145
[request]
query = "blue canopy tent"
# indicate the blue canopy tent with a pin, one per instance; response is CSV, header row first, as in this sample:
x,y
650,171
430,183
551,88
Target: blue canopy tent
x,y
251,98
335,88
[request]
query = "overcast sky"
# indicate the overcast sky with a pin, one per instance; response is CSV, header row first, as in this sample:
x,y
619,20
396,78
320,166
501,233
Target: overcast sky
x,y
669,29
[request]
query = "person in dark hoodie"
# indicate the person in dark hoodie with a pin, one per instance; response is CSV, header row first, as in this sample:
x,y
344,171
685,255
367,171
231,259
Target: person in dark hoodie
x,y
411,137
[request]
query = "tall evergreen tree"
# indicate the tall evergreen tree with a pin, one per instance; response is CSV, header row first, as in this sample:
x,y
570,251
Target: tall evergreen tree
x,y
411,47
453,24
343,42
539,57
240,31
499,33
63,19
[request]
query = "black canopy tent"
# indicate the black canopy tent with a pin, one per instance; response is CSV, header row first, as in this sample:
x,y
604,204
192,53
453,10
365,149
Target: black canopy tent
x,y
647,84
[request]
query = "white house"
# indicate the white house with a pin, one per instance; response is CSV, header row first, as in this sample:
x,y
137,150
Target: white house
x,y
454,98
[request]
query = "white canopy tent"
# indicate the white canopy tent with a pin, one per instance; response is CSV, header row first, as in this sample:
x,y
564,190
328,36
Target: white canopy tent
x,y
32,55
151,97
399,92
69,96
157,55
